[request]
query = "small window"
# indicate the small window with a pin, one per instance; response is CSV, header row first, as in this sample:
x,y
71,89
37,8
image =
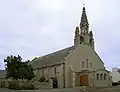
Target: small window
x,y
42,72
82,64
101,76
90,64
110,77
55,71
97,77
105,76
87,63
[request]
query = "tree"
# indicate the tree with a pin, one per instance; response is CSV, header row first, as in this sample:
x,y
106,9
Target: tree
x,y
28,70
12,65
17,69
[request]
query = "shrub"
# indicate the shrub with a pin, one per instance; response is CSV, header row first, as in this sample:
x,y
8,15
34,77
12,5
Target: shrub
x,y
29,85
21,85
2,84
42,79
13,85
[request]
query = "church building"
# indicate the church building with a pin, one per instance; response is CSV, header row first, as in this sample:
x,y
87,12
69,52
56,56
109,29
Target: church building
x,y
78,65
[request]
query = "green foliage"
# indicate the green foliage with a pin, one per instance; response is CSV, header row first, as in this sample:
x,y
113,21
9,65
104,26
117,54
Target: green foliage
x,y
12,65
17,69
28,71
2,84
25,85
29,85
42,79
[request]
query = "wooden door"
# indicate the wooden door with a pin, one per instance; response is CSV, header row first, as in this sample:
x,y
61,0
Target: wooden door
x,y
84,80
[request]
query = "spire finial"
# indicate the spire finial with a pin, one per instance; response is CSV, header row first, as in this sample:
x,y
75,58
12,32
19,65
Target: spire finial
x,y
84,21
83,5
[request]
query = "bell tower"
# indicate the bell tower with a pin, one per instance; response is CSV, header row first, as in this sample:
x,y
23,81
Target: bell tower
x,y
82,33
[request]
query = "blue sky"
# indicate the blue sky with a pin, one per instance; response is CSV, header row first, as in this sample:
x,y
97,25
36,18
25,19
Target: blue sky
x,y
36,27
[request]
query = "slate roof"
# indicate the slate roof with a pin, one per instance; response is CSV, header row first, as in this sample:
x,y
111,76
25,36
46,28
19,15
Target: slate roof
x,y
52,58
2,74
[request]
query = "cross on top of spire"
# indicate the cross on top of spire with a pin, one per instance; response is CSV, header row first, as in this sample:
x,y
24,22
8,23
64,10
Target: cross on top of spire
x,y
84,25
83,4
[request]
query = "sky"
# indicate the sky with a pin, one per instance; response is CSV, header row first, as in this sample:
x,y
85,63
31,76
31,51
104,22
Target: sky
x,y
31,28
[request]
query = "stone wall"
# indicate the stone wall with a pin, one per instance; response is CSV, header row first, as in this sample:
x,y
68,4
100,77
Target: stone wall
x,y
37,84
44,85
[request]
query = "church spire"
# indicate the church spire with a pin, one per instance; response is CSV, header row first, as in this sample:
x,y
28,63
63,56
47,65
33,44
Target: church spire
x,y
82,33
84,25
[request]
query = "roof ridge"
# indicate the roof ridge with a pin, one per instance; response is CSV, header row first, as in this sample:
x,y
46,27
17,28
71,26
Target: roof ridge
x,y
52,58
55,52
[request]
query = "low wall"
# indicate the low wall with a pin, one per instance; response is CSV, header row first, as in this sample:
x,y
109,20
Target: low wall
x,y
103,83
37,84
44,85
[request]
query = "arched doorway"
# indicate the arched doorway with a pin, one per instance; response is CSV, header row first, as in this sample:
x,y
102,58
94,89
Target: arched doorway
x,y
81,39
55,83
84,80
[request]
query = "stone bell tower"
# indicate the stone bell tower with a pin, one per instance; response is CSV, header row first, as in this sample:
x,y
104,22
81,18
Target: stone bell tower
x,y
82,33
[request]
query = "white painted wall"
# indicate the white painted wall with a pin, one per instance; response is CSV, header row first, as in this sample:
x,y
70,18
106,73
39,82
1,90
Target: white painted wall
x,y
115,75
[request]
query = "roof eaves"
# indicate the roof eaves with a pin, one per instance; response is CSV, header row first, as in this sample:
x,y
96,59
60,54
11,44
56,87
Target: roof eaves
x,y
49,65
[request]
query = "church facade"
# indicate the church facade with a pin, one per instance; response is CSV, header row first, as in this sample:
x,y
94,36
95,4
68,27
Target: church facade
x,y
78,65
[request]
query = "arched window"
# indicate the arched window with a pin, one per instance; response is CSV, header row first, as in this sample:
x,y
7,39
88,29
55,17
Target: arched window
x,y
105,76
97,77
82,64
81,39
90,64
101,76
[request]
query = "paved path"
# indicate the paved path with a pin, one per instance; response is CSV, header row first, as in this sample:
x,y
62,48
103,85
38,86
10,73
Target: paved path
x,y
44,90
112,89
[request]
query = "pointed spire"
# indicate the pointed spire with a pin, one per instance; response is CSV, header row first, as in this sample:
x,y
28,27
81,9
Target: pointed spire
x,y
91,34
77,31
84,25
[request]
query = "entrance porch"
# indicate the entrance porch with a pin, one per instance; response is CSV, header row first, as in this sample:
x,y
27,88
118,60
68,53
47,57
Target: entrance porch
x,y
83,78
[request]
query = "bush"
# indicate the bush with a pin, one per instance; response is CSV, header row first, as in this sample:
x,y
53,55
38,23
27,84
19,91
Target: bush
x,y
29,85
42,79
13,85
2,84
21,85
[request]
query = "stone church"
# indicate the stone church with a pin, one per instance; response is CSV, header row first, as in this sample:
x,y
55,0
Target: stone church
x,y
78,65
